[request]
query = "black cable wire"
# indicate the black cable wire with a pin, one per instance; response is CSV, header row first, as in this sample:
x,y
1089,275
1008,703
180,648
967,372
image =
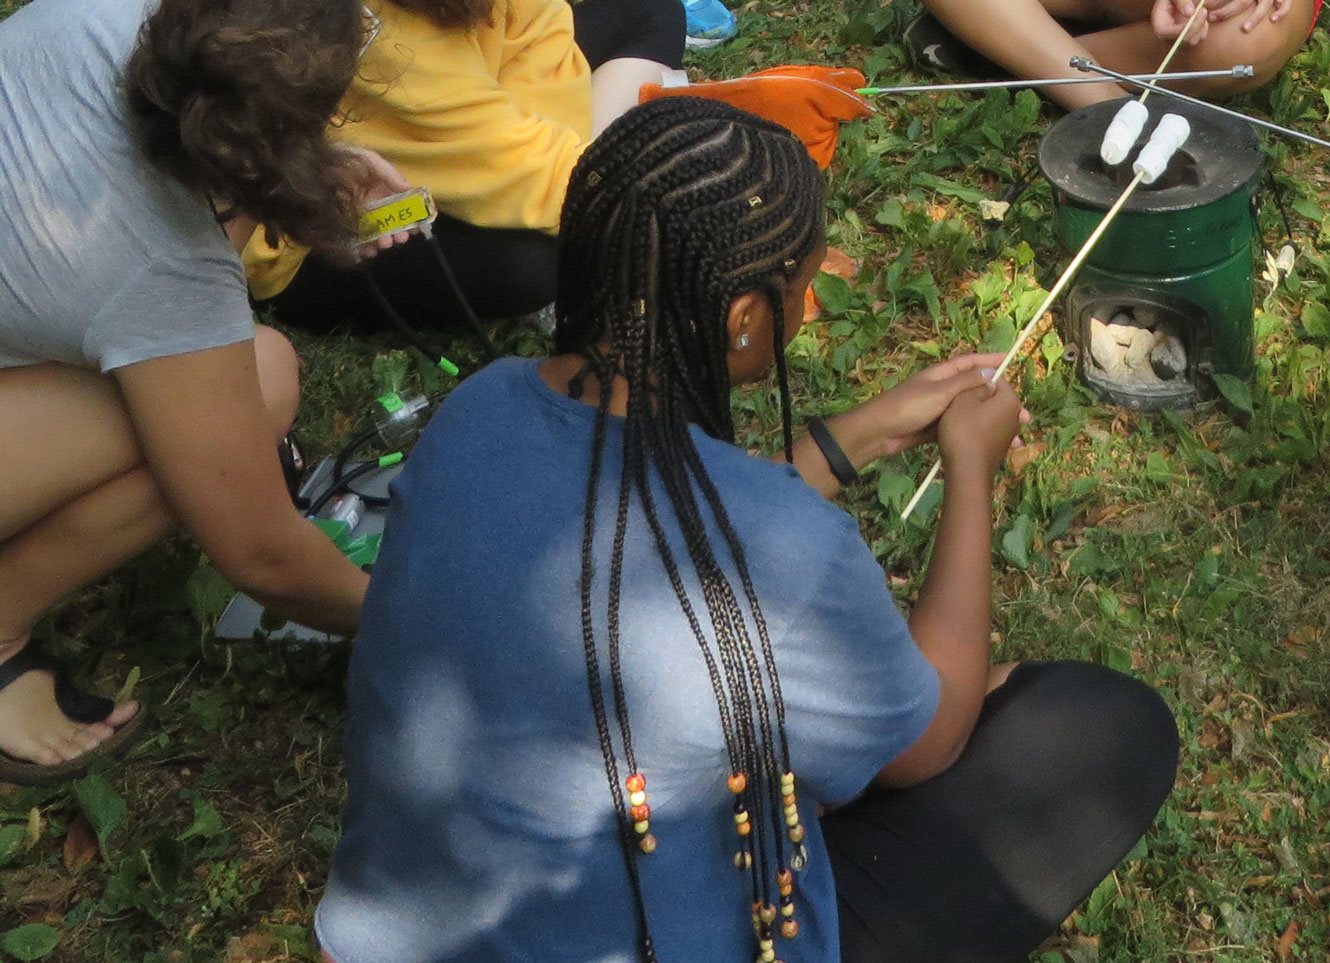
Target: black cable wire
x,y
1279,203
468,313
341,485
412,337
409,333
339,467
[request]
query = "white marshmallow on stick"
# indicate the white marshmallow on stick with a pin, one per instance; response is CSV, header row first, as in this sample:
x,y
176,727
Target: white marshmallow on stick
x,y
1166,141
1122,132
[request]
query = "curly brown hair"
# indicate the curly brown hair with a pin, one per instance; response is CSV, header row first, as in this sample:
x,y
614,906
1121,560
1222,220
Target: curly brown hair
x,y
233,98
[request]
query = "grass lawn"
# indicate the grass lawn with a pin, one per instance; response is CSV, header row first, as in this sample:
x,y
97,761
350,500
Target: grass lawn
x,y
1192,550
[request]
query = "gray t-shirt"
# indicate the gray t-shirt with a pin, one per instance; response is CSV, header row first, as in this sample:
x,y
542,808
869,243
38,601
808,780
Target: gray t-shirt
x,y
104,261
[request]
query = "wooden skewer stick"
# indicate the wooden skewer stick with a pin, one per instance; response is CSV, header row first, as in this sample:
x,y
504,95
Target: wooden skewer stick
x,y
1025,333
1072,268
1177,44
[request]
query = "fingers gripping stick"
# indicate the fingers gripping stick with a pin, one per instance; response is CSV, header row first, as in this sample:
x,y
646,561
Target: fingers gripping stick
x,y
1166,141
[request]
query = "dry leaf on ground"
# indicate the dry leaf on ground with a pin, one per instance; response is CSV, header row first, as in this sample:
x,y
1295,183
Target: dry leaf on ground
x,y
80,847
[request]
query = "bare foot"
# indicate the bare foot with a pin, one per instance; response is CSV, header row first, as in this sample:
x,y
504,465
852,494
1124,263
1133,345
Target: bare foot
x,y
32,727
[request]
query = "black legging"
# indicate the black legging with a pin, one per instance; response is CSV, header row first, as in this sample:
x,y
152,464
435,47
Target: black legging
x,y
503,272
1064,773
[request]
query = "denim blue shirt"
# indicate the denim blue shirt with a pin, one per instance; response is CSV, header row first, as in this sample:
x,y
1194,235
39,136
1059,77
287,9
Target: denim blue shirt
x,y
479,825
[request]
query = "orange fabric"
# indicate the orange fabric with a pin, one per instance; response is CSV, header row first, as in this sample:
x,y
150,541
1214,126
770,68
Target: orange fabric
x,y
811,101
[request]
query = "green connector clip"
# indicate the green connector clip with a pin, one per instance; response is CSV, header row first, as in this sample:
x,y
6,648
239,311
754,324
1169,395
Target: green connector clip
x,y
335,529
390,402
364,550
390,459
448,367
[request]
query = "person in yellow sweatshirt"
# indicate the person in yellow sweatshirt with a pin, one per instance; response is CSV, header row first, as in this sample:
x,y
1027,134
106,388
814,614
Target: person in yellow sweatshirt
x,y
489,104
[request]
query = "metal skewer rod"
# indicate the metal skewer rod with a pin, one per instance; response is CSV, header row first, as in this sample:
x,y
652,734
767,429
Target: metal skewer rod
x,y
1039,313
1237,72
1081,63
1173,50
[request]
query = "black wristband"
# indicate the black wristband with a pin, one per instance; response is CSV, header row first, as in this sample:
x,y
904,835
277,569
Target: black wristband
x,y
840,465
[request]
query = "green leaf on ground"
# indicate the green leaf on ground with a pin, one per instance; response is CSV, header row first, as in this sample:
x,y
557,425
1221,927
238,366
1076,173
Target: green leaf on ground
x,y
833,293
1235,391
1207,570
102,805
207,822
131,683
949,188
1316,319
31,942
207,708
894,490
11,842
1000,337
389,370
208,593
1017,541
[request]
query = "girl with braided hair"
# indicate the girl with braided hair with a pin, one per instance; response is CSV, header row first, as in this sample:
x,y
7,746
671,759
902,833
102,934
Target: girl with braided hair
x,y
618,679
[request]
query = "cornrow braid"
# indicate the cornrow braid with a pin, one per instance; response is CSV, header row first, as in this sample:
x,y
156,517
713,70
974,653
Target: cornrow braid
x,y
677,209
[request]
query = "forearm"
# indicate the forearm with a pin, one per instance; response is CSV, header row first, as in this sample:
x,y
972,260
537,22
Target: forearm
x,y
951,621
308,581
858,436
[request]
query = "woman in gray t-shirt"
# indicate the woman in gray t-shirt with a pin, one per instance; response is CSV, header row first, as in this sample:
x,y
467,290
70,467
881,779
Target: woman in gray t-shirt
x,y
135,392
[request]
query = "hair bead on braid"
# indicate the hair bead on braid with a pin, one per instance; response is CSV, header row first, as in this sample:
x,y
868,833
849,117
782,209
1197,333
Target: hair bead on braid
x,y
678,208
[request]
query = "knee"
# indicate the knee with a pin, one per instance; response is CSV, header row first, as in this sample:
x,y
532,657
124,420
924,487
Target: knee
x,y
1137,721
279,377
1133,727
1267,49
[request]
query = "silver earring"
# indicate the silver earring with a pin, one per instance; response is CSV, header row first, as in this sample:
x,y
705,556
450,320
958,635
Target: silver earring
x,y
741,342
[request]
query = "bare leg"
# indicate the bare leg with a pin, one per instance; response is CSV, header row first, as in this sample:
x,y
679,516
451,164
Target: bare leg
x,y
1023,37
81,542
79,505
1134,48
614,87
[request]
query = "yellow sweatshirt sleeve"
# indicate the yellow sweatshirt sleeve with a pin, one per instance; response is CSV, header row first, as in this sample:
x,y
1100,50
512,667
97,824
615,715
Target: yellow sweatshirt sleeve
x,y
269,269
491,120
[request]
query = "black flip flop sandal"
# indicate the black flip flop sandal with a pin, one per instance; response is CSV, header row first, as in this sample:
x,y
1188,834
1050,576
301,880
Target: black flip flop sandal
x,y
932,48
78,706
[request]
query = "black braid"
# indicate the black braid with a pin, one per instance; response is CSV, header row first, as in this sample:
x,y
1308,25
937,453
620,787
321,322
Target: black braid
x,y
679,208
606,379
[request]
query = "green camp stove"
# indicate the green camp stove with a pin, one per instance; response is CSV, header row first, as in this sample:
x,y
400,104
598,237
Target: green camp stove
x,y
1165,300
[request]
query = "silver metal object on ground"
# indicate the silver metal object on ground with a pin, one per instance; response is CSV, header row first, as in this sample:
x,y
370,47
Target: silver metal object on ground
x,y
1089,66
1238,72
243,617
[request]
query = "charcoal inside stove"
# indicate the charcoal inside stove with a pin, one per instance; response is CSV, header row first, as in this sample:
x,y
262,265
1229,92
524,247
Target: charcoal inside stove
x,y
1135,347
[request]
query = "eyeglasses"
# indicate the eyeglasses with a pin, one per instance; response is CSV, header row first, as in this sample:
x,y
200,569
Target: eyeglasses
x,y
372,27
